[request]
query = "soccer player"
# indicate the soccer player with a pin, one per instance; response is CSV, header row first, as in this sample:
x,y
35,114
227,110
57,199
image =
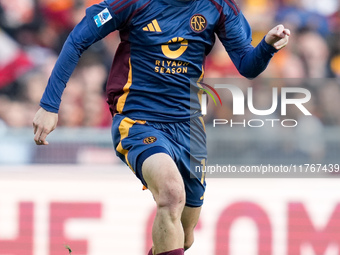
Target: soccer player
x,y
163,45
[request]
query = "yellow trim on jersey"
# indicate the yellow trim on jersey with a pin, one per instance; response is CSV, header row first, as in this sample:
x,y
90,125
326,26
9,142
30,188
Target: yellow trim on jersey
x,y
124,128
202,121
200,92
202,197
203,170
126,90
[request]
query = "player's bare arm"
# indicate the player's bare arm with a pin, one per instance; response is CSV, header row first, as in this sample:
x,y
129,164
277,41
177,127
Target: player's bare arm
x,y
44,122
278,37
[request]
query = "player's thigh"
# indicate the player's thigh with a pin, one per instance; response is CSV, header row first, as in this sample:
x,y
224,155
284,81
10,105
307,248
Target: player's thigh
x,y
163,178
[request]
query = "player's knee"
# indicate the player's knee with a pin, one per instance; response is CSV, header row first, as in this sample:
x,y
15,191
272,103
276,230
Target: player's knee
x,y
171,197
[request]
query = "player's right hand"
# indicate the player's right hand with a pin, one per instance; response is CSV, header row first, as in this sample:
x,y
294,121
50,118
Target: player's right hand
x,y
44,122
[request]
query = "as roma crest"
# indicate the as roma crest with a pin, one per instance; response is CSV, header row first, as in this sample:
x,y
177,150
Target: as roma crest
x,y
198,23
150,140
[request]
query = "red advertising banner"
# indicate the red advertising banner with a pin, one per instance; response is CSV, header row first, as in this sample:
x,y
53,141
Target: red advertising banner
x,y
103,210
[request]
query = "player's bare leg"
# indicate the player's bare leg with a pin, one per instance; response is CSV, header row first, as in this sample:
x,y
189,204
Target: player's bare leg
x,y
189,221
190,216
166,184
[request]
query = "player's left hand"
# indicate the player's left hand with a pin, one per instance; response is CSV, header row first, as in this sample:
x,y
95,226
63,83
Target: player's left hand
x,y
278,37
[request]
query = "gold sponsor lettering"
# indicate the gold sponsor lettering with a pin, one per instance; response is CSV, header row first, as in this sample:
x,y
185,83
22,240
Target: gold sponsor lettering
x,y
169,66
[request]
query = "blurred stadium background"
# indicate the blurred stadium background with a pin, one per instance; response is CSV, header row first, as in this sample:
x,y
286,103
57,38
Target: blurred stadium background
x,y
76,192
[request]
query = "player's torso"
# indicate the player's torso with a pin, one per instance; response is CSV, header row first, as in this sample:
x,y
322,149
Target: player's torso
x,y
168,42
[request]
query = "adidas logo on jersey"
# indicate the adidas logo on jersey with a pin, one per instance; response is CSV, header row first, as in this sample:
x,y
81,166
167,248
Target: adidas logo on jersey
x,y
152,27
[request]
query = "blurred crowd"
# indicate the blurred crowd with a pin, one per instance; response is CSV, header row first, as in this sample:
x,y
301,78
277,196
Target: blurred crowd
x,y
32,33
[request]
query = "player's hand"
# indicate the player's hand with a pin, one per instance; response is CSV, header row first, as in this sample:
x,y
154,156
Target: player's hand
x,y
278,37
44,122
